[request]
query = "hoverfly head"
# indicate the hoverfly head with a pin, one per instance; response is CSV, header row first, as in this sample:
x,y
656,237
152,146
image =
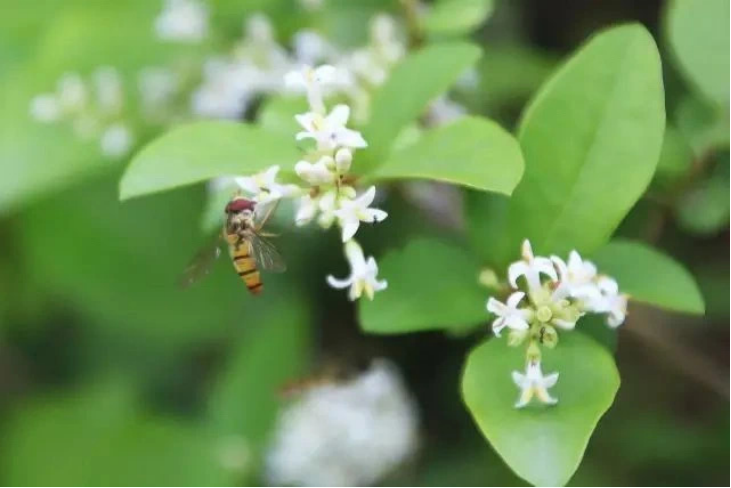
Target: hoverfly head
x,y
240,204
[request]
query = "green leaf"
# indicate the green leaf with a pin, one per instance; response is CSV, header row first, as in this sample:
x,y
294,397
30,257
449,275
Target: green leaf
x,y
97,436
698,31
704,210
676,157
456,17
245,399
543,445
591,140
431,285
472,151
200,151
649,276
704,125
414,83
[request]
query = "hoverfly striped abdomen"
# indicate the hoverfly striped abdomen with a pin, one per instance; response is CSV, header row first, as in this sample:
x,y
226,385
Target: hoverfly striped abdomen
x,y
245,264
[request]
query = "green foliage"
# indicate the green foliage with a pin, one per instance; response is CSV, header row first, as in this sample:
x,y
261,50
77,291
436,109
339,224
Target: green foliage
x,y
99,436
277,115
704,209
414,83
543,445
119,265
649,276
69,37
676,157
699,36
244,401
431,285
704,125
473,152
591,139
200,151
455,17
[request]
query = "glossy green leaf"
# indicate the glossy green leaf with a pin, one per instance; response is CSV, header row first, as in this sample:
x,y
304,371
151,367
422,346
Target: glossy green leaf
x,y
591,140
650,276
432,285
277,114
454,17
472,151
200,151
698,31
246,397
543,445
414,83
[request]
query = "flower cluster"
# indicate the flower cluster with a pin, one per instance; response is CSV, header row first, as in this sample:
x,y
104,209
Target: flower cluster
x,y
326,194
350,433
93,107
549,295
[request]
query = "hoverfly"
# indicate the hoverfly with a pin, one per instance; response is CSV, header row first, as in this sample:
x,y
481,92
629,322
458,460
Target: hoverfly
x,y
248,247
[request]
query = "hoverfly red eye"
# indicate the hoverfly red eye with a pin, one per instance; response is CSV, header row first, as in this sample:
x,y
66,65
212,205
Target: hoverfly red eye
x,y
239,205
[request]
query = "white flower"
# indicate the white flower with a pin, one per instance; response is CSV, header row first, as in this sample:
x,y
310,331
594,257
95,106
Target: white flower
x,y
343,159
312,81
263,187
306,210
319,173
224,93
330,131
509,315
362,275
533,383
347,433
116,141
72,92
531,267
613,303
108,85
45,108
352,212
182,20
577,278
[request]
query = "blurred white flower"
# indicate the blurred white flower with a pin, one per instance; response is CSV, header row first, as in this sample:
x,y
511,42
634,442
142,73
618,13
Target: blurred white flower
x,y
508,314
351,433
72,93
312,5
354,211
224,93
443,111
363,274
157,85
45,108
182,21
330,131
531,267
116,141
534,384
310,48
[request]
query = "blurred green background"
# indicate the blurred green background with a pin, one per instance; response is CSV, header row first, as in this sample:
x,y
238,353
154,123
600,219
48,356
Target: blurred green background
x,y
110,374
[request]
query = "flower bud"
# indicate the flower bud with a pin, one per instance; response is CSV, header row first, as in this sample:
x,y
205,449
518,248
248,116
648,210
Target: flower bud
x,y
343,158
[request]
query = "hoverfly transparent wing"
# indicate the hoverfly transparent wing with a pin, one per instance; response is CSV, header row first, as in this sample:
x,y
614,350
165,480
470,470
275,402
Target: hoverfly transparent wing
x,y
202,263
266,255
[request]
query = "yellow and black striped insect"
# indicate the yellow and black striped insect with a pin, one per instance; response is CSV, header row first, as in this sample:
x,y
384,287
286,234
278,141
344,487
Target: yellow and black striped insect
x,y
248,247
